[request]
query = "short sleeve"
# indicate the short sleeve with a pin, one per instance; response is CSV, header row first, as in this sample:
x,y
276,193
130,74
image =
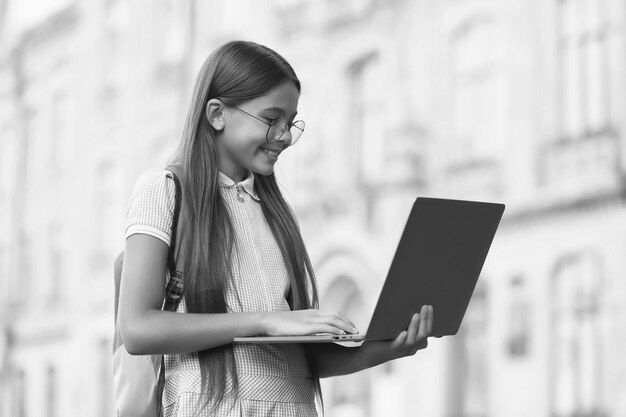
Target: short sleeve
x,y
151,206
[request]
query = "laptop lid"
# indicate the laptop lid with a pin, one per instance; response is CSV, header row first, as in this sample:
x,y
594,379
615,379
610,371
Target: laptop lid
x,y
438,261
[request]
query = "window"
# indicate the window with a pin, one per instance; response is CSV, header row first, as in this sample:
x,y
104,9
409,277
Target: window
x,y
21,284
4,276
10,379
51,392
107,207
582,159
475,91
577,338
475,376
519,319
20,395
583,36
56,258
62,136
8,171
367,121
171,23
35,146
174,45
116,22
470,380
105,378
8,164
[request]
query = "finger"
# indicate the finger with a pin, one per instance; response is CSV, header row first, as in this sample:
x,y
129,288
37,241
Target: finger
x,y
351,328
336,321
347,320
423,344
419,325
412,330
431,317
325,328
423,325
400,340
346,324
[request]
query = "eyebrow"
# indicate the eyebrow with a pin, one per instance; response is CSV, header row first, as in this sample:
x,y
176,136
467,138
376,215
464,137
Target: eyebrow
x,y
279,110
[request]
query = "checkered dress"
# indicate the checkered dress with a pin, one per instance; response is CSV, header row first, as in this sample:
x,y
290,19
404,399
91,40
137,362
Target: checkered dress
x,y
274,380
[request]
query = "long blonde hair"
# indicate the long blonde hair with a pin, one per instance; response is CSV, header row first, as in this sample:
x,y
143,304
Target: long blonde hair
x,y
236,72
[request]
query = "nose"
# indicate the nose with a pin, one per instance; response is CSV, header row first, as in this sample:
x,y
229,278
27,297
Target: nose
x,y
286,137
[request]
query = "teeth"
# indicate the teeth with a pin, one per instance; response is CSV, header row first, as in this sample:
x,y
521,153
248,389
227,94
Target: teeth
x,y
273,153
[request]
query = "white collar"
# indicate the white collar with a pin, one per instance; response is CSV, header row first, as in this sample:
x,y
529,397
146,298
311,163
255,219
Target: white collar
x,y
247,184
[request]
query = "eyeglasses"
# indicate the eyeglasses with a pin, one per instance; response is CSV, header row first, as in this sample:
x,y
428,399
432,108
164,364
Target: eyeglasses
x,y
277,128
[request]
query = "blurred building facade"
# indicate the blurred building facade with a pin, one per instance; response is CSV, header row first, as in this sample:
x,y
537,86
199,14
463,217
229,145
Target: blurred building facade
x,y
515,101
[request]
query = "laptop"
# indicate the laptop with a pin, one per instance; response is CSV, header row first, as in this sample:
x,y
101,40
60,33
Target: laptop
x,y
437,262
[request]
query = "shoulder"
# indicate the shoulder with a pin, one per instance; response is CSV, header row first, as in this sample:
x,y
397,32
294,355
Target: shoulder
x,y
152,204
155,184
154,179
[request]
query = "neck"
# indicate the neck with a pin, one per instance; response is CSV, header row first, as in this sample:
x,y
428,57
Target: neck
x,y
233,174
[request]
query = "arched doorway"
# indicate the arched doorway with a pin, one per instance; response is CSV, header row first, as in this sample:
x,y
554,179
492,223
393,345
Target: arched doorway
x,y
349,395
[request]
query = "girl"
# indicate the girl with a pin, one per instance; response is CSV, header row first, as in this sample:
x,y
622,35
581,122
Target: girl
x,y
246,270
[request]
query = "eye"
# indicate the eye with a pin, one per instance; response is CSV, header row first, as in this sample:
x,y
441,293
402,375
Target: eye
x,y
271,120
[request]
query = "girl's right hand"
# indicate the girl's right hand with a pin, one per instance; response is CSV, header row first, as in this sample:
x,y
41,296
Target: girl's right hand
x,y
307,322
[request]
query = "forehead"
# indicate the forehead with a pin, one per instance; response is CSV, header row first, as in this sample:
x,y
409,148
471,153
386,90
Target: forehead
x,y
284,97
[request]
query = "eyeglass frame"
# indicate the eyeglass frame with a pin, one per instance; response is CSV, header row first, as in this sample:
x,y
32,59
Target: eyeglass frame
x,y
270,124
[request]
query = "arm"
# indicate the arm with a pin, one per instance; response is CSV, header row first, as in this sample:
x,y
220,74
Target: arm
x,y
333,360
145,329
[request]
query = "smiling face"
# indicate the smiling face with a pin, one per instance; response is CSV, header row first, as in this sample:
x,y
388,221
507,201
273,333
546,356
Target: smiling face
x,y
240,139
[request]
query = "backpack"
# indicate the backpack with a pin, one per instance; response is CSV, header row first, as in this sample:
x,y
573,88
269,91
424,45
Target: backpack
x,y
138,379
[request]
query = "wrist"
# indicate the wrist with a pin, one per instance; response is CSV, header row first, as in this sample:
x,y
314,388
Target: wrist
x,y
365,357
370,355
262,319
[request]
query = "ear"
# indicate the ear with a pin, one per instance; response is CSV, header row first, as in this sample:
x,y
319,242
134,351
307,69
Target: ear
x,y
214,112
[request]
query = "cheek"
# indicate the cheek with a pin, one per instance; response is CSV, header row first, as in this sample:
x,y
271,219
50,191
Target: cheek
x,y
244,142
250,153
248,138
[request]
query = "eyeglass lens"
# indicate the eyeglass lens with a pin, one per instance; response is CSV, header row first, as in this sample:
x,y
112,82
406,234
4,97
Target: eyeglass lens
x,y
278,128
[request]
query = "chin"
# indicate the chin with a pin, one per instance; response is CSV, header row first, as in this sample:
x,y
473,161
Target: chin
x,y
267,170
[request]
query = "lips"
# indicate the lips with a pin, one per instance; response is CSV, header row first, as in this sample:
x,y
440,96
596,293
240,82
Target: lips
x,y
271,152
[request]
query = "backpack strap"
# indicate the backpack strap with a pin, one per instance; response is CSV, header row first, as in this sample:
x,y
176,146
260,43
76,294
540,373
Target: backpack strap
x,y
174,287
171,261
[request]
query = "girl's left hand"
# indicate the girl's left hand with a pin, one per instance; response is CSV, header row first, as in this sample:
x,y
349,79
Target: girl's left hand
x,y
408,341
